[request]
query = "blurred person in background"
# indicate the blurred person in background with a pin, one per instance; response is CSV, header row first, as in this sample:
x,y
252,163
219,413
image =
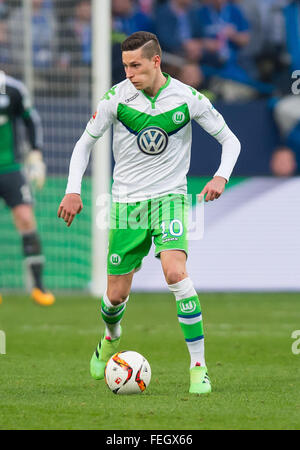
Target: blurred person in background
x,y
263,55
72,74
128,16
285,160
146,6
43,29
3,9
75,37
15,105
178,34
225,32
4,43
5,51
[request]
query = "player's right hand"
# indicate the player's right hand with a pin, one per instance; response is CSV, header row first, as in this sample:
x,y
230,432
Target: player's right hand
x,y
70,205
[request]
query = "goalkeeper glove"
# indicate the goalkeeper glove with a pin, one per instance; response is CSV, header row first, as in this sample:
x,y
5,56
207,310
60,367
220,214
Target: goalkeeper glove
x,y
35,168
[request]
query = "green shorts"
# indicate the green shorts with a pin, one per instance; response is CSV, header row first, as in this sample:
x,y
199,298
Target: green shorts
x,y
133,225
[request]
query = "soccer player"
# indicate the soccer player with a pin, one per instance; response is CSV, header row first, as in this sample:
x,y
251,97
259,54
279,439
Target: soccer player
x,y
151,114
15,190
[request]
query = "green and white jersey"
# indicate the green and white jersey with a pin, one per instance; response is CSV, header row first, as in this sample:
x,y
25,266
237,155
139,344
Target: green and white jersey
x,y
151,138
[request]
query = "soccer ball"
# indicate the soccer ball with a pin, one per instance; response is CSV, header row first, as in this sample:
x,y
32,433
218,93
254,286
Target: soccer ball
x,y
127,373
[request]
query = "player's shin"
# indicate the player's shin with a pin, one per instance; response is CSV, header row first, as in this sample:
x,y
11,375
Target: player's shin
x,y
190,319
34,258
109,344
112,316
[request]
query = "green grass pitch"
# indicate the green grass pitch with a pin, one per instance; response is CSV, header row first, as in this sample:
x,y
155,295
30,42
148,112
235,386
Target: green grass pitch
x,y
45,381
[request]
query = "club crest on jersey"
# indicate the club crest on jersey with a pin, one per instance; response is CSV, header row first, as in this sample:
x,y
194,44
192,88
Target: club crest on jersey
x,y
115,259
178,117
152,140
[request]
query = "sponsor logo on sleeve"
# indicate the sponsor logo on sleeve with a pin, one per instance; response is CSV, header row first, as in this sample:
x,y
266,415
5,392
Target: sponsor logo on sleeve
x,y
127,100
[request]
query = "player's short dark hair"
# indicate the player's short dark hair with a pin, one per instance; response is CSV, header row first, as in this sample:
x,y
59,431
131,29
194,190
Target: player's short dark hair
x,y
148,41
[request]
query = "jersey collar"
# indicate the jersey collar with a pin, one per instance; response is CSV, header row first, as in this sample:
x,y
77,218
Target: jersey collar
x,y
164,86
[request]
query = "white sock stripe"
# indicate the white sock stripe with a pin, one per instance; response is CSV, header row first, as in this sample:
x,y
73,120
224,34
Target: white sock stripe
x,y
113,330
190,321
183,289
196,350
191,293
109,305
196,346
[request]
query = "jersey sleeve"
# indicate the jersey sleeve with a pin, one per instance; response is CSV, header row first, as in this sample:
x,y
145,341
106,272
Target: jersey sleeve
x,y
98,124
104,116
33,124
205,114
79,162
30,117
24,103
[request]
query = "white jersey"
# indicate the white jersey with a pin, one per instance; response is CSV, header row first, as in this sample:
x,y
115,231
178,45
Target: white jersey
x,y
152,137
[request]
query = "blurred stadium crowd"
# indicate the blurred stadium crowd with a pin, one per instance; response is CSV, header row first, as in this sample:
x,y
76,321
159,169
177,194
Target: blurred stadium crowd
x,y
234,51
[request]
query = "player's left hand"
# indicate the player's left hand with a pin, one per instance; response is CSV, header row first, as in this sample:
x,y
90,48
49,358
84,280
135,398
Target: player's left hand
x,y
70,205
36,168
213,189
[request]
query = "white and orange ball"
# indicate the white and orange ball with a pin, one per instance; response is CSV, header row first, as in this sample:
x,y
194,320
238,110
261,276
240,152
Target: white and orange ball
x,y
127,372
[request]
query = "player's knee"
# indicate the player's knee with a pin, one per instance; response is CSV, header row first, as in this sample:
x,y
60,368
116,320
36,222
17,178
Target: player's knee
x,y
24,218
116,297
25,225
174,275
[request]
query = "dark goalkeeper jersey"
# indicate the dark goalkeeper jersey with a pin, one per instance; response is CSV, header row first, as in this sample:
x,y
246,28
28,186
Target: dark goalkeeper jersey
x,y
15,105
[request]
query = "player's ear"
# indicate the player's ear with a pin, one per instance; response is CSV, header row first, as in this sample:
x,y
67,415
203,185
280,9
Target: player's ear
x,y
156,59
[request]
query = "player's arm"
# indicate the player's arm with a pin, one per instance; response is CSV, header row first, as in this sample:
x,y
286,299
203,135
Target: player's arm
x,y
35,166
71,204
214,124
231,148
33,125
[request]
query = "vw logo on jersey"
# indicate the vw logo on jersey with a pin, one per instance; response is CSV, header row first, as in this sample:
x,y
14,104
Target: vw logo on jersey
x,y
152,140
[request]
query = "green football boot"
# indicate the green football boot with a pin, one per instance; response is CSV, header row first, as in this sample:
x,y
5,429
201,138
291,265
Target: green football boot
x,y
200,383
106,348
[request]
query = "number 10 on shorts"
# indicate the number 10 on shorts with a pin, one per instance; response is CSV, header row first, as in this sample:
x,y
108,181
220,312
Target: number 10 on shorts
x,y
174,229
